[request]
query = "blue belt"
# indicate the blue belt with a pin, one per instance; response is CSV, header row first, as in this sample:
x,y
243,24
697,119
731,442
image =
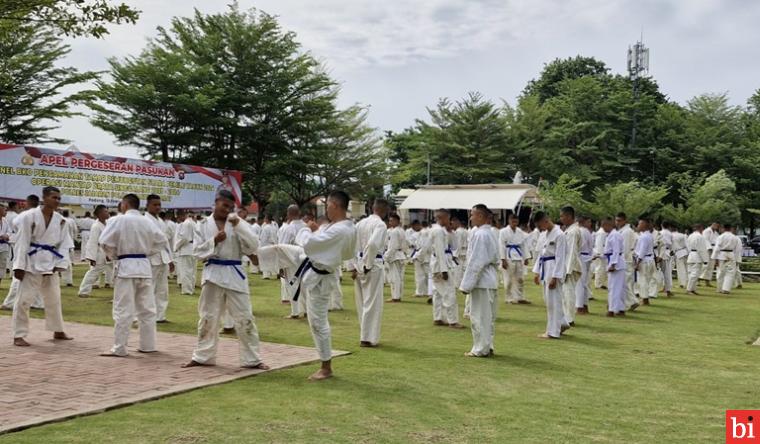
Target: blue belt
x,y
583,253
377,256
3,241
50,248
448,251
514,247
305,266
541,264
608,256
131,256
227,263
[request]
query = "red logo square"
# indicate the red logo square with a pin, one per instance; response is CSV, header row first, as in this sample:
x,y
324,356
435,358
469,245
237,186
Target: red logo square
x,y
742,426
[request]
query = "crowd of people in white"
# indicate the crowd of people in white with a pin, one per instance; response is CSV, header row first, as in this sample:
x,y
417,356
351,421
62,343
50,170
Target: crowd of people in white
x,y
138,254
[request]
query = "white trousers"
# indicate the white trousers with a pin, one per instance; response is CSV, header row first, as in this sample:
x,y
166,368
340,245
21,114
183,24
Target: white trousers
x,y
368,289
160,289
683,276
396,279
133,297
513,278
85,235
726,275
630,283
568,296
67,275
583,286
336,297
707,271
483,320
93,276
695,271
554,309
421,273
5,257
600,273
318,303
738,276
647,280
35,284
667,273
445,307
616,291
186,274
212,304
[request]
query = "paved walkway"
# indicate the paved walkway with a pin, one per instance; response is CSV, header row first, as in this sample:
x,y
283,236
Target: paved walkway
x,y
54,380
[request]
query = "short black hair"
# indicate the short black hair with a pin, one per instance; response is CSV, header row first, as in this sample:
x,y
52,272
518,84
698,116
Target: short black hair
x,y
340,197
99,208
48,190
538,216
621,215
225,194
425,223
483,209
33,199
645,218
727,226
444,211
87,214
416,222
132,200
65,213
381,202
12,205
514,216
394,216
568,210
152,197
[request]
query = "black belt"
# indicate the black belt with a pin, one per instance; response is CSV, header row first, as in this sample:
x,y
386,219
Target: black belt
x,y
305,266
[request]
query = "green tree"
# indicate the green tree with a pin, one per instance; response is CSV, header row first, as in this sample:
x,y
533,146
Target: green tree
x,y
547,84
633,198
566,191
714,201
32,85
70,17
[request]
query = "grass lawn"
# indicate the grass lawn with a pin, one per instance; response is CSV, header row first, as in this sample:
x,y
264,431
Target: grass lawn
x,y
665,374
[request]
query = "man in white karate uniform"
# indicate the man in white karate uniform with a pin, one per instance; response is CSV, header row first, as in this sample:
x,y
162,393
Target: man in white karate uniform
x,y
256,230
41,242
680,253
267,238
614,257
698,257
711,235
84,224
32,201
5,237
629,242
738,256
421,259
583,287
10,215
645,261
665,254
161,263
221,240
480,282
461,238
512,252
600,262
442,265
573,264
395,257
171,231
549,270
368,272
724,254
67,275
131,239
287,236
183,245
92,252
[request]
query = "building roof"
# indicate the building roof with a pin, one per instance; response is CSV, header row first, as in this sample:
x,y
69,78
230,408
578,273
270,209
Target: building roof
x,y
464,197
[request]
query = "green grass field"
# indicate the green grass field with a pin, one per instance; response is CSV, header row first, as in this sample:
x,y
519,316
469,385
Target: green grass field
x,y
665,374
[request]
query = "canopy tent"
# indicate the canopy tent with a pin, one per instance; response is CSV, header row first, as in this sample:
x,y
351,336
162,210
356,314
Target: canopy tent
x,y
464,197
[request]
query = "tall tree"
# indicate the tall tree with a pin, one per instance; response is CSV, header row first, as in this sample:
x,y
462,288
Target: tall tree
x,y
555,72
32,85
70,17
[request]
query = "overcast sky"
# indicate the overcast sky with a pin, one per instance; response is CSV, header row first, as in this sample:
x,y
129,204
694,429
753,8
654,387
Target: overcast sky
x,y
399,57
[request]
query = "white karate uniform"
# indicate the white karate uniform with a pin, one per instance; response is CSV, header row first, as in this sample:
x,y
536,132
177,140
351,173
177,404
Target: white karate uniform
x,y
421,259
171,230
512,249
93,252
224,289
600,262
256,230
39,250
574,266
461,238
85,231
629,242
267,238
371,238
5,245
132,239
697,259
186,264
395,258
738,257
665,254
551,264
646,265
583,287
159,264
287,236
10,216
724,254
680,253
445,307
614,257
481,282
711,236
67,275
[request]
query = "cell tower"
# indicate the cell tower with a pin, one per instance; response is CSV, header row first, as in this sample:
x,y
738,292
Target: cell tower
x,y
638,66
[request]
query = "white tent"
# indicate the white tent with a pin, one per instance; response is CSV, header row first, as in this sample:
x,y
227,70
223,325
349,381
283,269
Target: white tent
x,y
464,197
